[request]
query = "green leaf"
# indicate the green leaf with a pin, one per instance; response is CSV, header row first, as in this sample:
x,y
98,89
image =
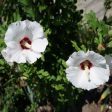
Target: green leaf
x,y
92,20
24,2
1,62
110,32
29,12
105,94
42,8
5,108
58,87
83,47
109,44
100,37
59,77
16,16
74,44
96,40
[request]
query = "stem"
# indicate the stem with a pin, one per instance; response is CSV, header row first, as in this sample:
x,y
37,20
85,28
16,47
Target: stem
x,y
26,89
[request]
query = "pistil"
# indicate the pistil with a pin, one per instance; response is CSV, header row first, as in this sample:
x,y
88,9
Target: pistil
x,y
25,43
86,66
87,72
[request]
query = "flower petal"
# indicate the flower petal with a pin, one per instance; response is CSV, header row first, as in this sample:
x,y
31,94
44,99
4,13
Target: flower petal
x,y
6,56
96,59
76,58
31,56
13,55
36,29
99,75
39,45
14,30
13,44
18,57
79,78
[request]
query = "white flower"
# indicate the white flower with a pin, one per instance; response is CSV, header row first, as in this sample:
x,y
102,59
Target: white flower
x,y
87,70
25,42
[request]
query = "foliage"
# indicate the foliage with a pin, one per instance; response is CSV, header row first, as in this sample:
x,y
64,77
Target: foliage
x,y
95,35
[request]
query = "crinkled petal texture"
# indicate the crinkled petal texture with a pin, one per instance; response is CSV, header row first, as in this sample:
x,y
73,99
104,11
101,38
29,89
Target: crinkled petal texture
x,y
18,31
98,74
79,78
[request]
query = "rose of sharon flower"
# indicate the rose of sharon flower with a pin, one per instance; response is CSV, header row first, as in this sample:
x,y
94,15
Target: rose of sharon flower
x,y
25,42
87,70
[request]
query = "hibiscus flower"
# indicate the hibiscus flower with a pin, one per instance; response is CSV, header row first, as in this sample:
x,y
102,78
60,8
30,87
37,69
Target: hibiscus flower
x,y
87,70
25,41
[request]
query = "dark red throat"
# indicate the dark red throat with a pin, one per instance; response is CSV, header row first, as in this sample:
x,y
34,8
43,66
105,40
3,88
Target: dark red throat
x,y
23,41
86,63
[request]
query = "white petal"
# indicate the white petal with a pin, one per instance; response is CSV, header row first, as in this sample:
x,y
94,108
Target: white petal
x,y
96,59
20,29
39,45
36,29
79,79
18,57
76,58
13,55
99,75
14,30
31,56
13,44
17,31
73,75
6,56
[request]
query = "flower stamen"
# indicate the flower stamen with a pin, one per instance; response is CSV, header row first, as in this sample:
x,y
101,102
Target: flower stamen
x,y
87,72
86,65
25,43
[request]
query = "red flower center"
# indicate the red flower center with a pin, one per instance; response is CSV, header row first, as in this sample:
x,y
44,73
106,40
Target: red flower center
x,y
86,64
25,43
